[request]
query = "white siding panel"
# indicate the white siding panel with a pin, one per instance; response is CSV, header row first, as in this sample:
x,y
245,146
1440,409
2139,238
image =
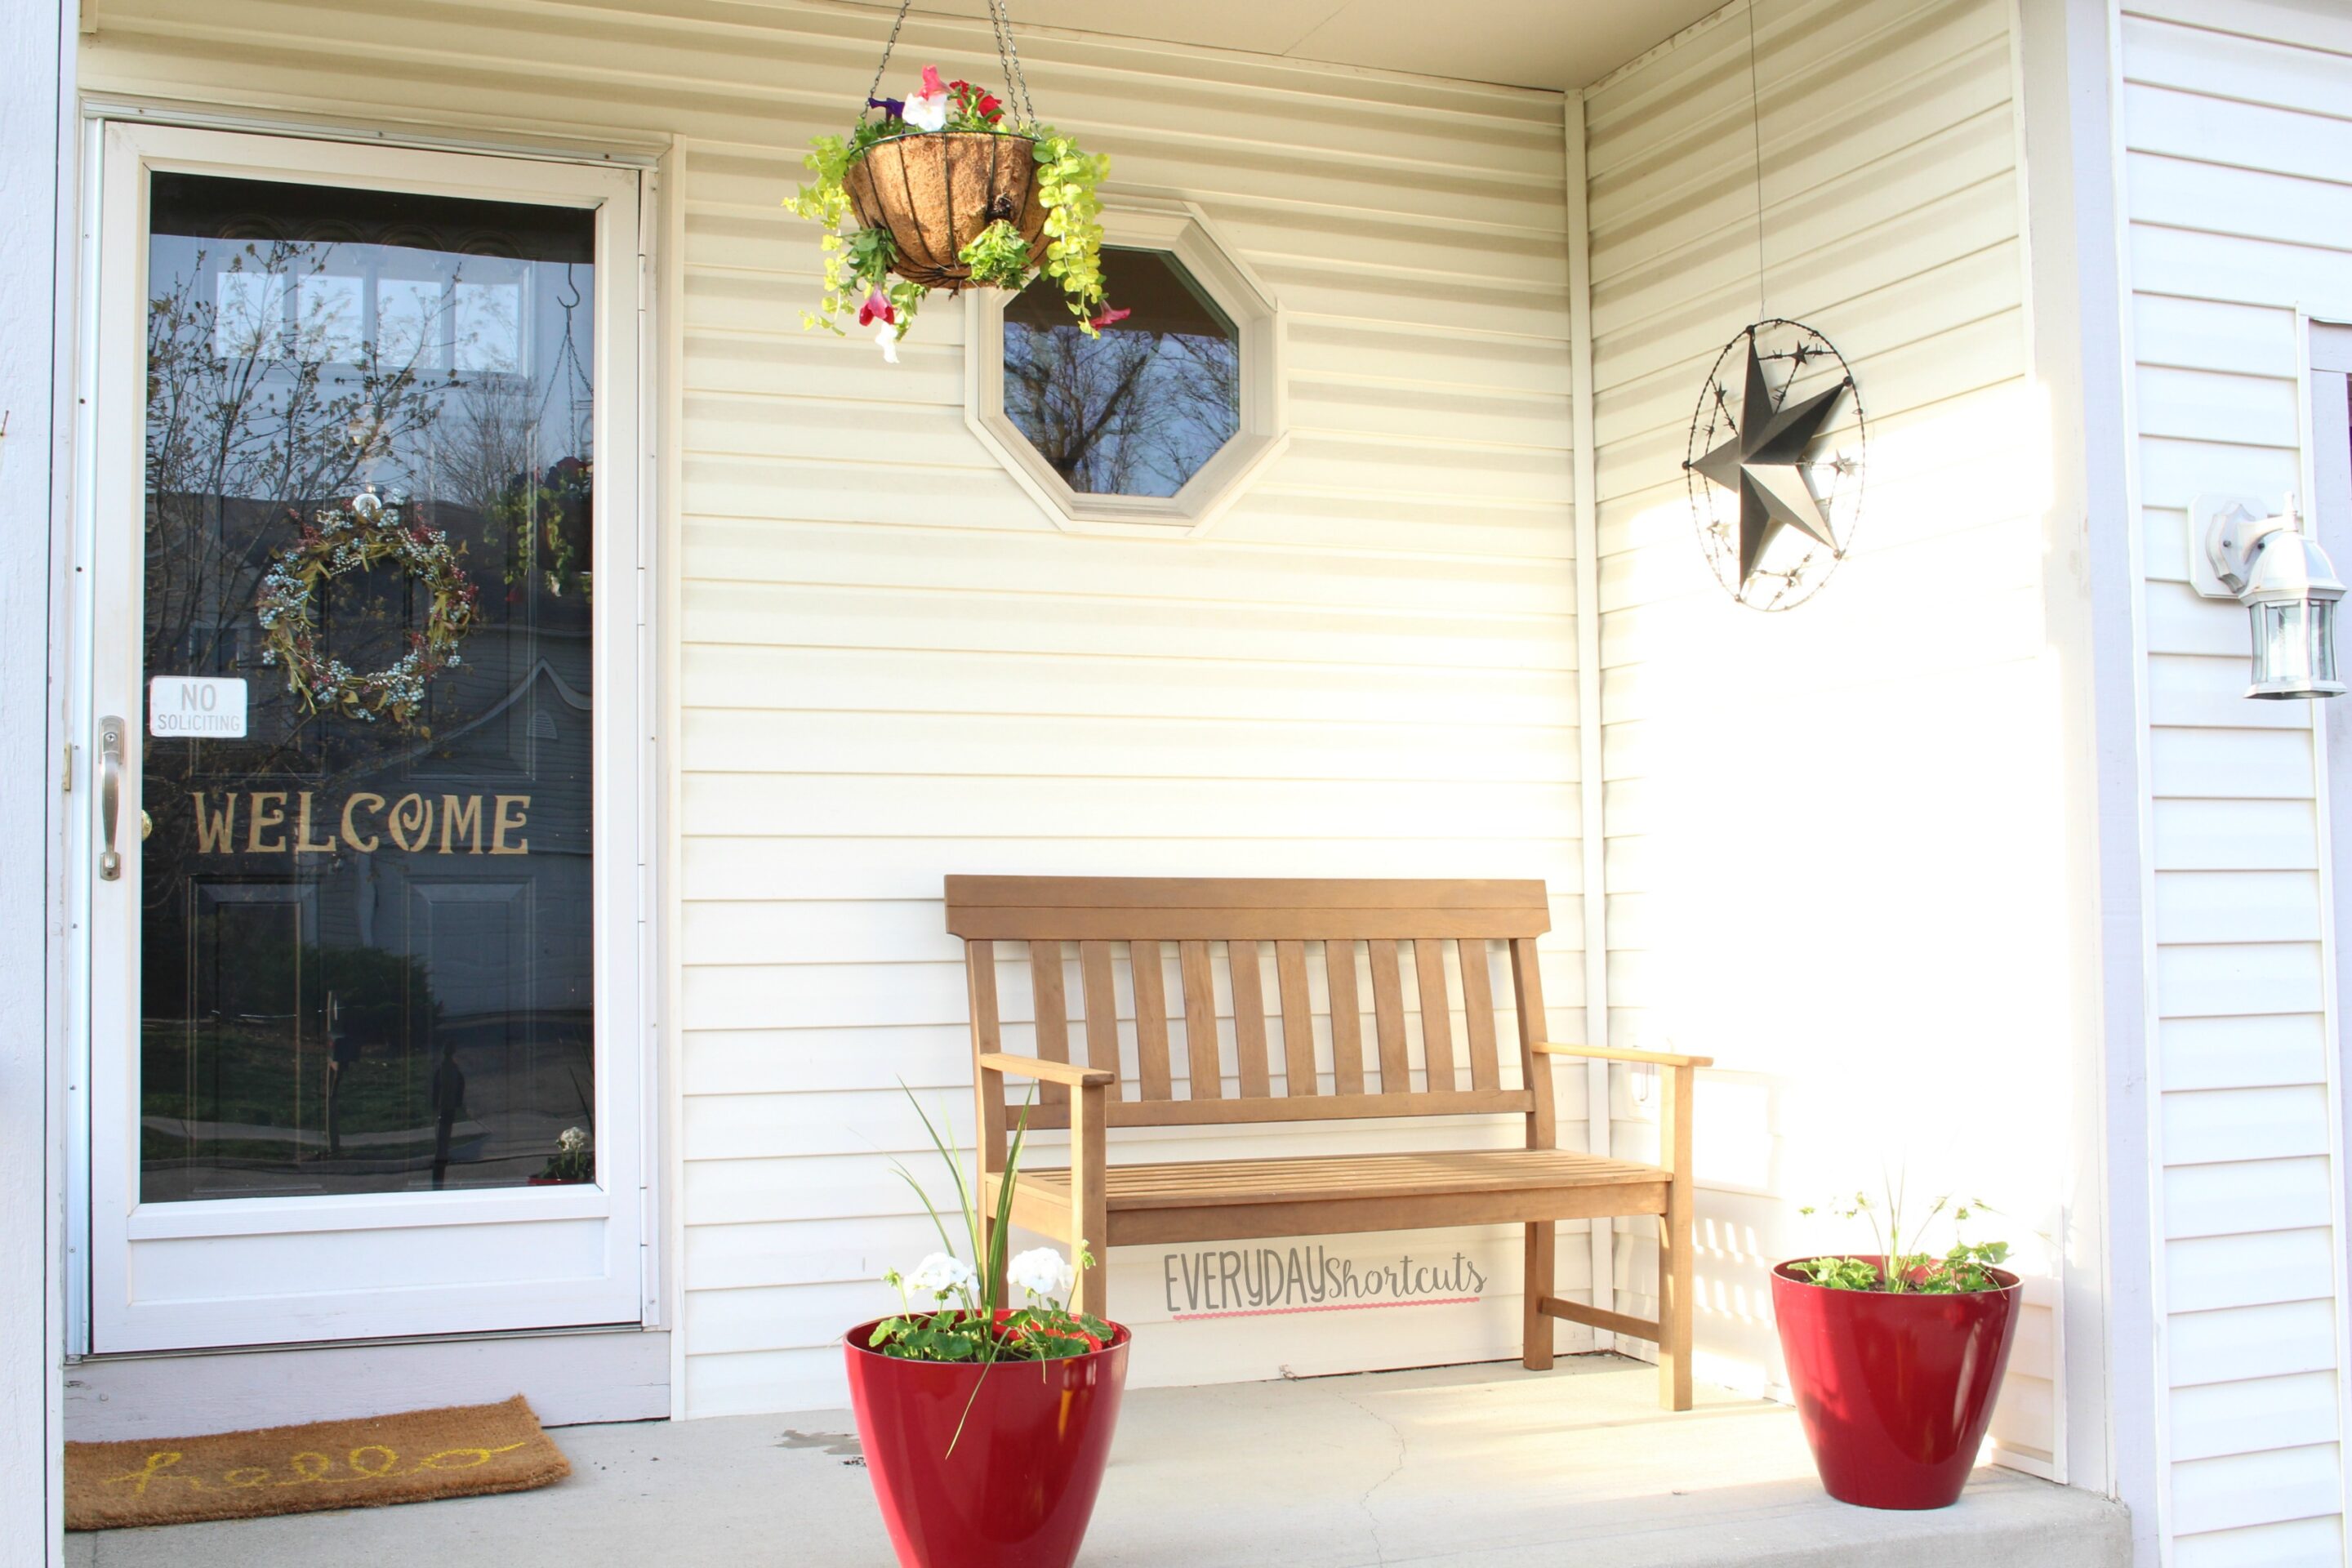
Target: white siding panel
x,y
2239,186
1764,787
894,667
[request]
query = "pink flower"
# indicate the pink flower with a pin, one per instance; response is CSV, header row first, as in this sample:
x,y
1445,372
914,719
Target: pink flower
x,y
928,110
876,308
1109,318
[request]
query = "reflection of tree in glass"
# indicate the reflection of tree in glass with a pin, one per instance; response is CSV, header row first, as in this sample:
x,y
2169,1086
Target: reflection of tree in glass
x,y
1134,411
251,423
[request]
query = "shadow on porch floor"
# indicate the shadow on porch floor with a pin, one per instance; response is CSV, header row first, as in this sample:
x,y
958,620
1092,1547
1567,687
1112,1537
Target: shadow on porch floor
x,y
1481,1467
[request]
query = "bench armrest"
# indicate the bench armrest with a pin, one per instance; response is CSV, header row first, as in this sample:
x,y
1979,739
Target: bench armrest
x,y
1620,1054
1068,1074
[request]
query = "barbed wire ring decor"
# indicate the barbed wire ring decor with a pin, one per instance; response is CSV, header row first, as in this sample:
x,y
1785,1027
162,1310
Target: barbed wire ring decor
x,y
1775,478
370,531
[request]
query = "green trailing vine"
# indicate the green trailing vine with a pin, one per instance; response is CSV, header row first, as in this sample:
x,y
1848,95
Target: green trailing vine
x,y
861,279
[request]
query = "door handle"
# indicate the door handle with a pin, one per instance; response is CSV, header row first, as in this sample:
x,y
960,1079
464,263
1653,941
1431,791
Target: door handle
x,y
109,793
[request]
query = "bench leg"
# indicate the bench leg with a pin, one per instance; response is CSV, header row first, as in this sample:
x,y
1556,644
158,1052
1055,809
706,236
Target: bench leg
x,y
1535,1328
1675,1300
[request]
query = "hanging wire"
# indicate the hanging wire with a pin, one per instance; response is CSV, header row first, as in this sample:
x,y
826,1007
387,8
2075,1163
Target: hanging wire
x,y
1756,122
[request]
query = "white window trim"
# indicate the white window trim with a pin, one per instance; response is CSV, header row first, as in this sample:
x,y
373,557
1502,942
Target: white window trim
x,y
1139,222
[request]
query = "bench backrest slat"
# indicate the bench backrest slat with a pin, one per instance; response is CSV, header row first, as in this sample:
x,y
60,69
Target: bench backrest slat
x,y
1478,1013
1206,1074
1052,1013
1347,1018
1298,1072
1249,1019
1146,961
1387,1017
1099,994
1436,1013
1307,921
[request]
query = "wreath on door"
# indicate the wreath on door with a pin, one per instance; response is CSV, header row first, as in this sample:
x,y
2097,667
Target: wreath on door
x,y
370,531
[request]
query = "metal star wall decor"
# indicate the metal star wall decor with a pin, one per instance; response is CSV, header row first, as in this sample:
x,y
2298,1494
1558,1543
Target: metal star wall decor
x,y
1775,501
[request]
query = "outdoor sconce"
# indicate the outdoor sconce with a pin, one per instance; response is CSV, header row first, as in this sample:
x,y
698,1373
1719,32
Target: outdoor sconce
x,y
2286,581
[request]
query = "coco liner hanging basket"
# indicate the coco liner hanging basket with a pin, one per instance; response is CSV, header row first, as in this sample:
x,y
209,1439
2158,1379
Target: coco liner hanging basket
x,y
951,187
937,191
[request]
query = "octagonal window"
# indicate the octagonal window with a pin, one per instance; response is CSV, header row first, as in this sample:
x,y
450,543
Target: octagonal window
x,y
1142,407
1157,423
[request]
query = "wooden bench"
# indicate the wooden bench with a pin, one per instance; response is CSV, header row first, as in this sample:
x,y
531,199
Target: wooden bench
x,y
1354,928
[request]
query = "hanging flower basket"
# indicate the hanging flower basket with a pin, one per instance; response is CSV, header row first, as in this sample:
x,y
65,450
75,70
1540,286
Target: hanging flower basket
x,y
936,194
944,190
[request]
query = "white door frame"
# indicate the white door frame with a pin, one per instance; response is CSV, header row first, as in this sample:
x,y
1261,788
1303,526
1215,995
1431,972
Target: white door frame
x,y
106,666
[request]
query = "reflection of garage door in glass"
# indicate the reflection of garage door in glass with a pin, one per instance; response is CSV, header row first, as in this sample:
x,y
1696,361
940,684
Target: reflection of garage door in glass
x,y
367,951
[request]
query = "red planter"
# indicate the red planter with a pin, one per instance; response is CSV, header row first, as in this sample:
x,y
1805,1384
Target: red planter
x,y
1896,1392
1020,1486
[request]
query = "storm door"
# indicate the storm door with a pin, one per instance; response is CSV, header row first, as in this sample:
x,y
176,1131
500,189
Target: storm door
x,y
365,1050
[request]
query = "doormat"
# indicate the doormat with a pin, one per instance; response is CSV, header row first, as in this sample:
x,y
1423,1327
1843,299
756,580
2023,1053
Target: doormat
x,y
463,1451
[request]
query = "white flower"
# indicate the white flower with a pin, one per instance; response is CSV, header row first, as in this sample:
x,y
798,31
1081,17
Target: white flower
x,y
928,108
1043,1272
887,336
571,1140
940,1276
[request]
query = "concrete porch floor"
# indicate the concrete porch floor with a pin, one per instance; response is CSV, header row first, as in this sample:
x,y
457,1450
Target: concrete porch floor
x,y
1481,1467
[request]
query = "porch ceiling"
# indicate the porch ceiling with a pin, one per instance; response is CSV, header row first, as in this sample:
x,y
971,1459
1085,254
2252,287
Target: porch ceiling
x,y
1524,43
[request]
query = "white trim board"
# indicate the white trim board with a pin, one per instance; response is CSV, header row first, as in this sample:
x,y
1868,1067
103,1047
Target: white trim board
x,y
569,1378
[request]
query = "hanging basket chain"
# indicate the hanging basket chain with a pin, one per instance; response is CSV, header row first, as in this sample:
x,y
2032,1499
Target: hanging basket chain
x,y
875,91
1008,55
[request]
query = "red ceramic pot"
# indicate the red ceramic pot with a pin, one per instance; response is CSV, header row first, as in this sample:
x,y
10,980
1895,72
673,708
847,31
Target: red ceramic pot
x,y
1896,1392
1019,1486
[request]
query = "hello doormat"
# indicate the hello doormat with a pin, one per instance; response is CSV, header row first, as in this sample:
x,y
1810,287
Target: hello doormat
x,y
458,1452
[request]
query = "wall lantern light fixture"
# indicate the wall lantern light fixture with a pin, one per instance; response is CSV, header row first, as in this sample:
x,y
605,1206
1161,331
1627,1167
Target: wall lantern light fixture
x,y
2239,550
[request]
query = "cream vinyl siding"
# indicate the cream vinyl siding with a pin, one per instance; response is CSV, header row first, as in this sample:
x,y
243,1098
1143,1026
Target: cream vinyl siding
x,y
1832,831
2239,183
893,667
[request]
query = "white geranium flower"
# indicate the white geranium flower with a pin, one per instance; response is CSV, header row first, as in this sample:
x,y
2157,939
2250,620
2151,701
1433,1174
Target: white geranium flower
x,y
1043,1272
940,1276
571,1140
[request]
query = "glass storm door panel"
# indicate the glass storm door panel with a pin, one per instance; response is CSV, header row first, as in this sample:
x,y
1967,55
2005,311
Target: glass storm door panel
x,y
368,1077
